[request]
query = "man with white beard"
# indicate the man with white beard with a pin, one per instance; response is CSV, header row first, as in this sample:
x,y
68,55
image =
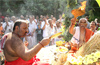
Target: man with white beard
x,y
7,26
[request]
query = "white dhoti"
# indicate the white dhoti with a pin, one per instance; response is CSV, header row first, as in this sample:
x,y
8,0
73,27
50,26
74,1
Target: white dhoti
x,y
32,39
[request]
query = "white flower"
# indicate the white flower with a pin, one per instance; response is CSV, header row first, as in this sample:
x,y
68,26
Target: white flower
x,y
79,60
97,54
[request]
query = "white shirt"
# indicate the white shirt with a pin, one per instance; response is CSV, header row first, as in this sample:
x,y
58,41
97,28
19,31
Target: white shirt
x,y
8,27
32,26
45,31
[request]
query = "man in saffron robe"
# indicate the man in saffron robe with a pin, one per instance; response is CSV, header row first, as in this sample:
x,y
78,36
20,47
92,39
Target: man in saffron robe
x,y
80,34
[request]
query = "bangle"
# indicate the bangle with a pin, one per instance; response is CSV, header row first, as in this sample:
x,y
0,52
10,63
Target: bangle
x,y
41,44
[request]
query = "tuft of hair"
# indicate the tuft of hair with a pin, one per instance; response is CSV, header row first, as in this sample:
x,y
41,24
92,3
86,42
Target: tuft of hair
x,y
24,21
18,23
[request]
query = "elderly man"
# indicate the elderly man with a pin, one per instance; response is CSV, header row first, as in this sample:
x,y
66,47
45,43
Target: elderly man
x,y
80,34
15,51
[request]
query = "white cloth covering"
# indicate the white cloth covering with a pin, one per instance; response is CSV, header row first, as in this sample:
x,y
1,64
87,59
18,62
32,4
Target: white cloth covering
x,y
75,38
45,31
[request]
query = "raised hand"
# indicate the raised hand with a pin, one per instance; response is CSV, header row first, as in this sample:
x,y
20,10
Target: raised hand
x,y
73,20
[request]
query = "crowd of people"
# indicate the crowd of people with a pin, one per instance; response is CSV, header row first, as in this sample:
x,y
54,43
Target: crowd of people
x,y
38,27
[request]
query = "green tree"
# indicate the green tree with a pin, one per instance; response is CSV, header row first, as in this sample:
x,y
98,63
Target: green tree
x,y
33,7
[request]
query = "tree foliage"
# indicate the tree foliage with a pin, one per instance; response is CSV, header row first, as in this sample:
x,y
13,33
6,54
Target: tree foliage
x,y
94,10
32,7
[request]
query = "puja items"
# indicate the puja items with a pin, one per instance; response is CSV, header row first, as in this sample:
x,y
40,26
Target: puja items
x,y
63,43
88,54
60,55
60,43
61,49
60,59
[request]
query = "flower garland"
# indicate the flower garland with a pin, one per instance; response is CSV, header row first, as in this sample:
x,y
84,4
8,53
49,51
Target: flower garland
x,y
87,59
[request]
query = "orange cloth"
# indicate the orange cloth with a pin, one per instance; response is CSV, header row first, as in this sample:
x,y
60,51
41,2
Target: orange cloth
x,y
88,34
1,28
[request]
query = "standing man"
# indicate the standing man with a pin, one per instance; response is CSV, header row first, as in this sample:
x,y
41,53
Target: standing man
x,y
32,28
44,26
15,51
7,26
13,19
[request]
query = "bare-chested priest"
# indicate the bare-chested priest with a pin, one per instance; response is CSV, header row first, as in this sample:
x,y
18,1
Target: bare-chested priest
x,y
80,34
14,49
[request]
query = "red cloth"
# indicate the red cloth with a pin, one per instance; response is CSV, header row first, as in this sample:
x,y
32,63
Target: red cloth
x,y
20,61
